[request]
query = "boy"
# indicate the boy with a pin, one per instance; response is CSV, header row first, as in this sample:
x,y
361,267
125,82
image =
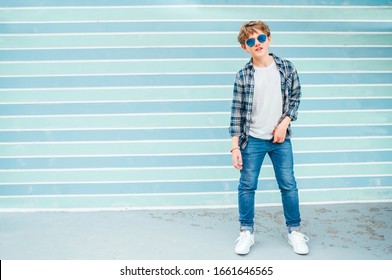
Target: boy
x,y
266,97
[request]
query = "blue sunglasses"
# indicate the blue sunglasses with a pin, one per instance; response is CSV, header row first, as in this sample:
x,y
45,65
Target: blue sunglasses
x,y
252,41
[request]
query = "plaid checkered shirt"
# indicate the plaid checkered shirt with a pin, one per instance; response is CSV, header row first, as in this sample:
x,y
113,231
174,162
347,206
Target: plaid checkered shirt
x,y
243,92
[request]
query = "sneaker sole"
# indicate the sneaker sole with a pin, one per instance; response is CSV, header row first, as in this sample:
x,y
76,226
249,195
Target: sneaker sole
x,y
243,252
299,253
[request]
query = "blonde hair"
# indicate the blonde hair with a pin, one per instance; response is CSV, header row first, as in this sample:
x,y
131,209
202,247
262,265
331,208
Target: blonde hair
x,y
250,27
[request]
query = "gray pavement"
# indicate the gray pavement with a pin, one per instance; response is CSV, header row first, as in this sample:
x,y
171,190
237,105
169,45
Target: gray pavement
x,y
346,231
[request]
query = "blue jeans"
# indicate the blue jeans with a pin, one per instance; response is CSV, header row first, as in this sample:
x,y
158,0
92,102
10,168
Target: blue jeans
x,y
282,160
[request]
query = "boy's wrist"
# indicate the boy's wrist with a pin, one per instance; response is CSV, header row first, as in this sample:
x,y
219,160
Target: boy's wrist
x,y
286,121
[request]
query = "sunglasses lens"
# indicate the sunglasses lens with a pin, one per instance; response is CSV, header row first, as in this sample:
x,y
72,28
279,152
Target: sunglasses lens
x,y
262,38
251,42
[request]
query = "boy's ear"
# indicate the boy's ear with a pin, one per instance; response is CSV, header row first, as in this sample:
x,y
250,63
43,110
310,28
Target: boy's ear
x,y
243,46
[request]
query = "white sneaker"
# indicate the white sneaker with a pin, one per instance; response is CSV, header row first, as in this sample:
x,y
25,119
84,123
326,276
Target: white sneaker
x,y
298,241
244,242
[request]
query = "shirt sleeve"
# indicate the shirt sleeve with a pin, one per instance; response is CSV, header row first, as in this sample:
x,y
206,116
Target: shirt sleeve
x,y
236,106
295,95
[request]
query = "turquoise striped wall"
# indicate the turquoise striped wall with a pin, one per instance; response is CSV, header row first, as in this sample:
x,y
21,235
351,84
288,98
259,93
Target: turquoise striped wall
x,y
121,104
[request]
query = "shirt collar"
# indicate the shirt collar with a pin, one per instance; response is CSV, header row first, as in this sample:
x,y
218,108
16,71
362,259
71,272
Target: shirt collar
x,y
278,62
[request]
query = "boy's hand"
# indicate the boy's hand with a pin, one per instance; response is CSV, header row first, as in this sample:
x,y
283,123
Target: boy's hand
x,y
280,131
279,134
237,159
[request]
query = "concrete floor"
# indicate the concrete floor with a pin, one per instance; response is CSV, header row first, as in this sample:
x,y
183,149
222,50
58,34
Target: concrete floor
x,y
347,231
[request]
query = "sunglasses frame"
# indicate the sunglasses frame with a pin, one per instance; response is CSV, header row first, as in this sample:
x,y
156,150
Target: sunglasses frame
x,y
252,41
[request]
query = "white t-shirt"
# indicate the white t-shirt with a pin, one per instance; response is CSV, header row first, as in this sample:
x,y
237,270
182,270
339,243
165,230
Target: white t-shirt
x,y
267,102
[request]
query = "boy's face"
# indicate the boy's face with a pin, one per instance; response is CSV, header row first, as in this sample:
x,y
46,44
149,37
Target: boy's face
x,y
256,48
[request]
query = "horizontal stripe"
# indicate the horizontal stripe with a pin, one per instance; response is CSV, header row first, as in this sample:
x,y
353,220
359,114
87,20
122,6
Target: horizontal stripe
x,y
196,194
305,60
119,157
180,80
87,68
189,73
197,46
181,173
188,201
178,147
100,209
151,94
178,106
188,113
188,5
200,52
130,165
198,181
185,187
207,33
181,128
201,140
78,163
158,21
329,85
7,28
179,121
13,102
183,134
182,40
53,3
188,12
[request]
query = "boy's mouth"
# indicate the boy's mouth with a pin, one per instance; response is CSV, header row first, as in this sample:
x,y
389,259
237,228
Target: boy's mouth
x,y
258,49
